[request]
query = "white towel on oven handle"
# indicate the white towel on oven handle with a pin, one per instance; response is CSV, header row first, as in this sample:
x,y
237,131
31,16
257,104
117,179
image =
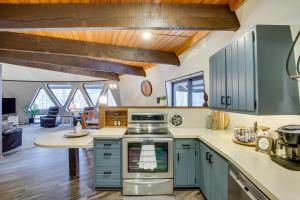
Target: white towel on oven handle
x,y
148,157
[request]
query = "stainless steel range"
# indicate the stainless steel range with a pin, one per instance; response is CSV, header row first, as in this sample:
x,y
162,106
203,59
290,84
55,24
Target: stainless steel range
x,y
147,155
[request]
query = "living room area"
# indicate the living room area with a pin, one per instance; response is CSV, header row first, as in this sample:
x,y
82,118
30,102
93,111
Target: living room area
x,y
33,106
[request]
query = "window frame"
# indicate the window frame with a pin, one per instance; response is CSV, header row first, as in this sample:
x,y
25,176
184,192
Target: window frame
x,y
55,95
67,107
36,95
189,79
88,95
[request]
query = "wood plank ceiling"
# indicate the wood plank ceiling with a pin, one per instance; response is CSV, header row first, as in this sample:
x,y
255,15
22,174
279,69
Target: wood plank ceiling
x,y
176,41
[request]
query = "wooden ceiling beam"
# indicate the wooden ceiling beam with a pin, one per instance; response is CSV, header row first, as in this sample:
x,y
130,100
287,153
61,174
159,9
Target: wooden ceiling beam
x,y
235,4
60,68
75,62
117,16
41,44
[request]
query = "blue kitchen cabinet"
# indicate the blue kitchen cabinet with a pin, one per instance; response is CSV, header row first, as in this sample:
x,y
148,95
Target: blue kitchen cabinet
x,y
185,161
214,173
249,74
107,163
217,80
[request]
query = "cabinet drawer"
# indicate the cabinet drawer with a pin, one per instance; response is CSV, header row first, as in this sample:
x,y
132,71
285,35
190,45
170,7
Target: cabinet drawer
x,y
107,183
107,152
107,144
186,144
107,177
107,170
108,161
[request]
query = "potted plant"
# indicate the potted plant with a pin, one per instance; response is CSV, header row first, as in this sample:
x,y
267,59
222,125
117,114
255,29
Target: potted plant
x,y
163,101
31,112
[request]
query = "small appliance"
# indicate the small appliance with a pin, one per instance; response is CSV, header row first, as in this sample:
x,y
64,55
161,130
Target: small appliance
x,y
287,147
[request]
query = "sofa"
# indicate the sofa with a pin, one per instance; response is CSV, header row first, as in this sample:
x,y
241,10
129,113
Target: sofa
x,y
52,119
11,137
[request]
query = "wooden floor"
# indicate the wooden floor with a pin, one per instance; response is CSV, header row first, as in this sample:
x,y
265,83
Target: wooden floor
x,y
42,174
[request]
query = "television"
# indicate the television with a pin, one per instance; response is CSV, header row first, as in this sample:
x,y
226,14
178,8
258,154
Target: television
x,y
8,105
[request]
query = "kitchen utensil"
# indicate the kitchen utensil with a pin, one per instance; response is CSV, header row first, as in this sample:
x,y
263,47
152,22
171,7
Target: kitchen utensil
x,y
220,120
223,120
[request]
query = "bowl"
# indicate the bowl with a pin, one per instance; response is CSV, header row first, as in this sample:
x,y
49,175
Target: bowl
x,y
244,135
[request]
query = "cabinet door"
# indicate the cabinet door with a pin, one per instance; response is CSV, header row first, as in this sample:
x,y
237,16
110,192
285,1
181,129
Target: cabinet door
x,y
185,163
198,168
240,74
221,79
213,81
218,80
219,178
205,171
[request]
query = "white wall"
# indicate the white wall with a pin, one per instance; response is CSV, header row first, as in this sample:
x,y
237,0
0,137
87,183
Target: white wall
x,y
197,59
15,72
196,118
23,92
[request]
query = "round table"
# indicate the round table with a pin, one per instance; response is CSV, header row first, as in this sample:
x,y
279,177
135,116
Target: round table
x,y
57,140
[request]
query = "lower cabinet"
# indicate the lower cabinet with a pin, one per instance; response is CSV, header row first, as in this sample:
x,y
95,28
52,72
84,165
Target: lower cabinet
x,y
185,160
214,173
107,163
197,165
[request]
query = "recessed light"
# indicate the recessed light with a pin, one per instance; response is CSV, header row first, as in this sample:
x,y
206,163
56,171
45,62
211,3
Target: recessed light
x,y
147,35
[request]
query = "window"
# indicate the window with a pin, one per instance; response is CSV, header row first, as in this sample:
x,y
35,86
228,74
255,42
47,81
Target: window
x,y
61,92
42,101
186,91
93,90
78,102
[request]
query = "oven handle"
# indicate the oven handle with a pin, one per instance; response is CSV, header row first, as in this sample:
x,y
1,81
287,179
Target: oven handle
x,y
145,139
144,182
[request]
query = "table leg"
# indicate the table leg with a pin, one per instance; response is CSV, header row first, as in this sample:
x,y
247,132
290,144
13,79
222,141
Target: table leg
x,y
74,162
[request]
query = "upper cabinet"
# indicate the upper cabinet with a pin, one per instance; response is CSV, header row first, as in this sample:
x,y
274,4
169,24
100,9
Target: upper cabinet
x,y
249,74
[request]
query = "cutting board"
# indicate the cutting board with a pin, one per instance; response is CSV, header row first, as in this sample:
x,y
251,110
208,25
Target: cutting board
x,y
221,118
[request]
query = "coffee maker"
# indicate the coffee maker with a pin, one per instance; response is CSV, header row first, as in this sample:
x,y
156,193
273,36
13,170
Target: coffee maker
x,y
287,147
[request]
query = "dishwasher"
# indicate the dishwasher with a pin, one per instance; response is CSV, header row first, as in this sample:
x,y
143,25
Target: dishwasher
x,y
241,188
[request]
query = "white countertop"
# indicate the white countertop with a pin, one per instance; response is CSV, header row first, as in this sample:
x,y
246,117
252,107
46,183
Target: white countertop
x,y
275,181
106,133
57,139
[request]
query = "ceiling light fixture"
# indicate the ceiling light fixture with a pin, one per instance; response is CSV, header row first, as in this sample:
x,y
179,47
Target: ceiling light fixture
x,y
147,35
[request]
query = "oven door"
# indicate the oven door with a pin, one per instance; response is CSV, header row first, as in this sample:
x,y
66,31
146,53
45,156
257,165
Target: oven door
x,y
133,154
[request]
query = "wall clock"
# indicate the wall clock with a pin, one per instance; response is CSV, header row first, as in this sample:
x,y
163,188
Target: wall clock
x,y
146,88
176,120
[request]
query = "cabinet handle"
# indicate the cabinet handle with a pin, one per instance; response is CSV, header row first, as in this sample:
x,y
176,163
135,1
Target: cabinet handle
x,y
228,100
178,157
207,155
210,158
185,146
107,154
222,100
107,172
107,145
